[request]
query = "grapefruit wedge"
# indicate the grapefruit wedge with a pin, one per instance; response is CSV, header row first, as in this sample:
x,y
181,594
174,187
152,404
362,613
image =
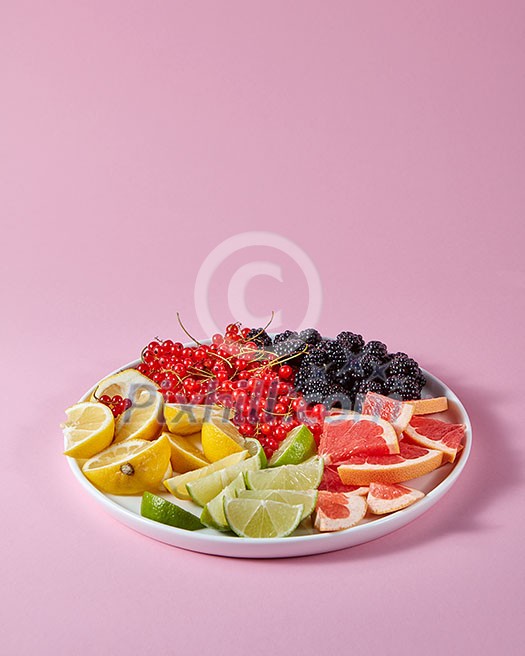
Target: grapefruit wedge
x,y
331,482
429,406
436,434
336,511
345,436
385,498
396,412
411,461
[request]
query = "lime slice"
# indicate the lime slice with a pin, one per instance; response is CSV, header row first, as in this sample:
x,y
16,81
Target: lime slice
x,y
165,512
177,484
213,513
307,498
205,489
305,476
262,518
298,446
255,449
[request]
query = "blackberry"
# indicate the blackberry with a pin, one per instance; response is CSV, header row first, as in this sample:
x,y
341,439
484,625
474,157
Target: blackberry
x,y
370,364
346,375
396,367
395,385
377,349
411,368
372,386
335,354
282,337
338,397
420,380
410,390
400,366
316,391
307,373
351,342
310,336
260,337
292,348
354,367
399,355
315,356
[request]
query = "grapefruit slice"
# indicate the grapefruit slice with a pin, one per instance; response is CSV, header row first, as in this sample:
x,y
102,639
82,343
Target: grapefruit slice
x,y
429,406
331,482
411,461
396,412
343,437
436,434
336,511
385,498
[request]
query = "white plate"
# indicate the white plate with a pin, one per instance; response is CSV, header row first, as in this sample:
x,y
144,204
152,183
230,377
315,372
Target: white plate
x,y
126,509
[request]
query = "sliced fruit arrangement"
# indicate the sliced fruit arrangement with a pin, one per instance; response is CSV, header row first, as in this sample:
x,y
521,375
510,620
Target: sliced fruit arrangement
x,y
263,433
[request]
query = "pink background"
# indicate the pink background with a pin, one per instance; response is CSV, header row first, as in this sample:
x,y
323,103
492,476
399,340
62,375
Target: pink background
x,y
386,140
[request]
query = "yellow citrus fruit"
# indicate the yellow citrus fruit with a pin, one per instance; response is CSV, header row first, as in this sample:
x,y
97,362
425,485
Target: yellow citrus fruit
x,y
185,452
143,420
130,467
89,429
220,439
185,419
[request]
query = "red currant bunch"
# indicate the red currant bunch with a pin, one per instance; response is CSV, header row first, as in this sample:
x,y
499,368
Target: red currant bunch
x,y
116,403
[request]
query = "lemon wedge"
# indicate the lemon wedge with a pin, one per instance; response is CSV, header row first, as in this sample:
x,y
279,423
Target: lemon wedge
x,y
129,467
89,429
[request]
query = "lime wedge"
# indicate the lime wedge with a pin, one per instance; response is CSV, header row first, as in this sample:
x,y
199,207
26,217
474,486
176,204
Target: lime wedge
x,y
213,513
307,498
205,489
165,512
305,476
177,484
262,518
255,449
298,446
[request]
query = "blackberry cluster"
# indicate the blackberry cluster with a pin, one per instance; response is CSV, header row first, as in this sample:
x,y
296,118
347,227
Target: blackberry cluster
x,y
347,367
337,371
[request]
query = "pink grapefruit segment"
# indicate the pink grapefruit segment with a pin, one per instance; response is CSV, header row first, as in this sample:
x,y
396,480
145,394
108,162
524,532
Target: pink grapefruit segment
x,y
388,497
344,437
411,462
336,511
331,482
436,434
396,412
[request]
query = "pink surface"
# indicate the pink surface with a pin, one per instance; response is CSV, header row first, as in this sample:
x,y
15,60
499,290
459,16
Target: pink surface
x,y
386,141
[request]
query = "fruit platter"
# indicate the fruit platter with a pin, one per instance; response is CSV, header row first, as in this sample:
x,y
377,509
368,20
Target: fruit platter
x,y
256,445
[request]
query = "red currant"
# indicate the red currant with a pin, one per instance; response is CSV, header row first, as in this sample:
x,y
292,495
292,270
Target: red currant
x,y
285,372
